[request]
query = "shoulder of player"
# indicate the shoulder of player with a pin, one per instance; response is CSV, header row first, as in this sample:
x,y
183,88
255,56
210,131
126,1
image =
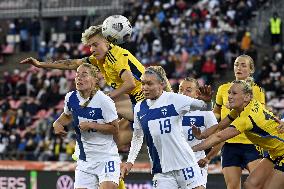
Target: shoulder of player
x,y
251,109
137,106
257,87
115,53
67,96
225,86
103,97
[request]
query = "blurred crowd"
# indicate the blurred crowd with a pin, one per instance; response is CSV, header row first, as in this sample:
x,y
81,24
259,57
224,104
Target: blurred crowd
x,y
188,38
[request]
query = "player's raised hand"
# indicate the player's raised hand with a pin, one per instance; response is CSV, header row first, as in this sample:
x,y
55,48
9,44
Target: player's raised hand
x,y
196,132
125,169
31,61
206,93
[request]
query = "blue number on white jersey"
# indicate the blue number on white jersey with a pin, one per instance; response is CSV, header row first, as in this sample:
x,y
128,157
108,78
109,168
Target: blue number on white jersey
x,y
165,126
189,121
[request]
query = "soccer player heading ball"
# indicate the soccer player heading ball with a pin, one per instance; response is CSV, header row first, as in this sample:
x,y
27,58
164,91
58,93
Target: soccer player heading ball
x,y
117,29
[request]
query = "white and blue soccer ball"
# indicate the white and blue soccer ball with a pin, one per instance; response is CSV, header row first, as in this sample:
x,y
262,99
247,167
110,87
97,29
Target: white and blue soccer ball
x,y
117,29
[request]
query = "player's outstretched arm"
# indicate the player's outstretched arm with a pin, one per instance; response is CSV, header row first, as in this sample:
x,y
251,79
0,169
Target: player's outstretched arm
x,y
68,64
224,123
213,152
216,138
136,144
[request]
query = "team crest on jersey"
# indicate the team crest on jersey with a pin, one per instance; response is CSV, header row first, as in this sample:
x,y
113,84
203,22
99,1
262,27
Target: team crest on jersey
x,y
192,121
164,111
92,113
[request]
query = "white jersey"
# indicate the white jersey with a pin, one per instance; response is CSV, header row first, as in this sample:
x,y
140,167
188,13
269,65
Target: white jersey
x,y
161,122
93,145
201,119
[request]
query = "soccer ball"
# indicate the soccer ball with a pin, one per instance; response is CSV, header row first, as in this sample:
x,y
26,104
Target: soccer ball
x,y
117,29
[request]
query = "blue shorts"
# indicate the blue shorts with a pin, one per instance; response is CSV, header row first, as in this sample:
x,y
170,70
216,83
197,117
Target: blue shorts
x,y
278,162
238,155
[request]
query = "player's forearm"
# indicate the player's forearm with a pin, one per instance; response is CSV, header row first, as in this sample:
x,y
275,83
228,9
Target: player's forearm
x,y
217,112
125,88
201,105
136,144
224,123
108,129
206,133
208,143
63,119
214,151
61,64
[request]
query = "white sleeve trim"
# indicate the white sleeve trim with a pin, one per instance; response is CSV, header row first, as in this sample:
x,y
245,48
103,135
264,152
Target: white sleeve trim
x,y
136,144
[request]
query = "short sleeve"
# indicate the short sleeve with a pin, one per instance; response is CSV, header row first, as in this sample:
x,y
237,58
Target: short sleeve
x,y
233,115
185,104
219,98
122,64
108,109
242,124
210,119
67,109
259,95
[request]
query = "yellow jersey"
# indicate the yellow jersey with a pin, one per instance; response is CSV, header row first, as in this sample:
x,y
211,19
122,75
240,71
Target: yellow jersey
x,y
118,60
260,127
222,99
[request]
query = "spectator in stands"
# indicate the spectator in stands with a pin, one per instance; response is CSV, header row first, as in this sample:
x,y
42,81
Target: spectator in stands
x,y
34,31
275,29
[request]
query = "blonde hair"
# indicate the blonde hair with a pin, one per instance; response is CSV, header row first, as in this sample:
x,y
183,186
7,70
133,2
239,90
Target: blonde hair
x,y
250,60
91,32
246,85
94,73
161,75
190,79
250,81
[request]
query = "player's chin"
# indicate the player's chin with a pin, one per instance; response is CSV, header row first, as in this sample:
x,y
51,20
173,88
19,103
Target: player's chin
x,y
80,87
231,105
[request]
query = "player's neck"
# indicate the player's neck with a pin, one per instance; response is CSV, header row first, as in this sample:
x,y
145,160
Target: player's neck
x,y
85,94
240,109
158,96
